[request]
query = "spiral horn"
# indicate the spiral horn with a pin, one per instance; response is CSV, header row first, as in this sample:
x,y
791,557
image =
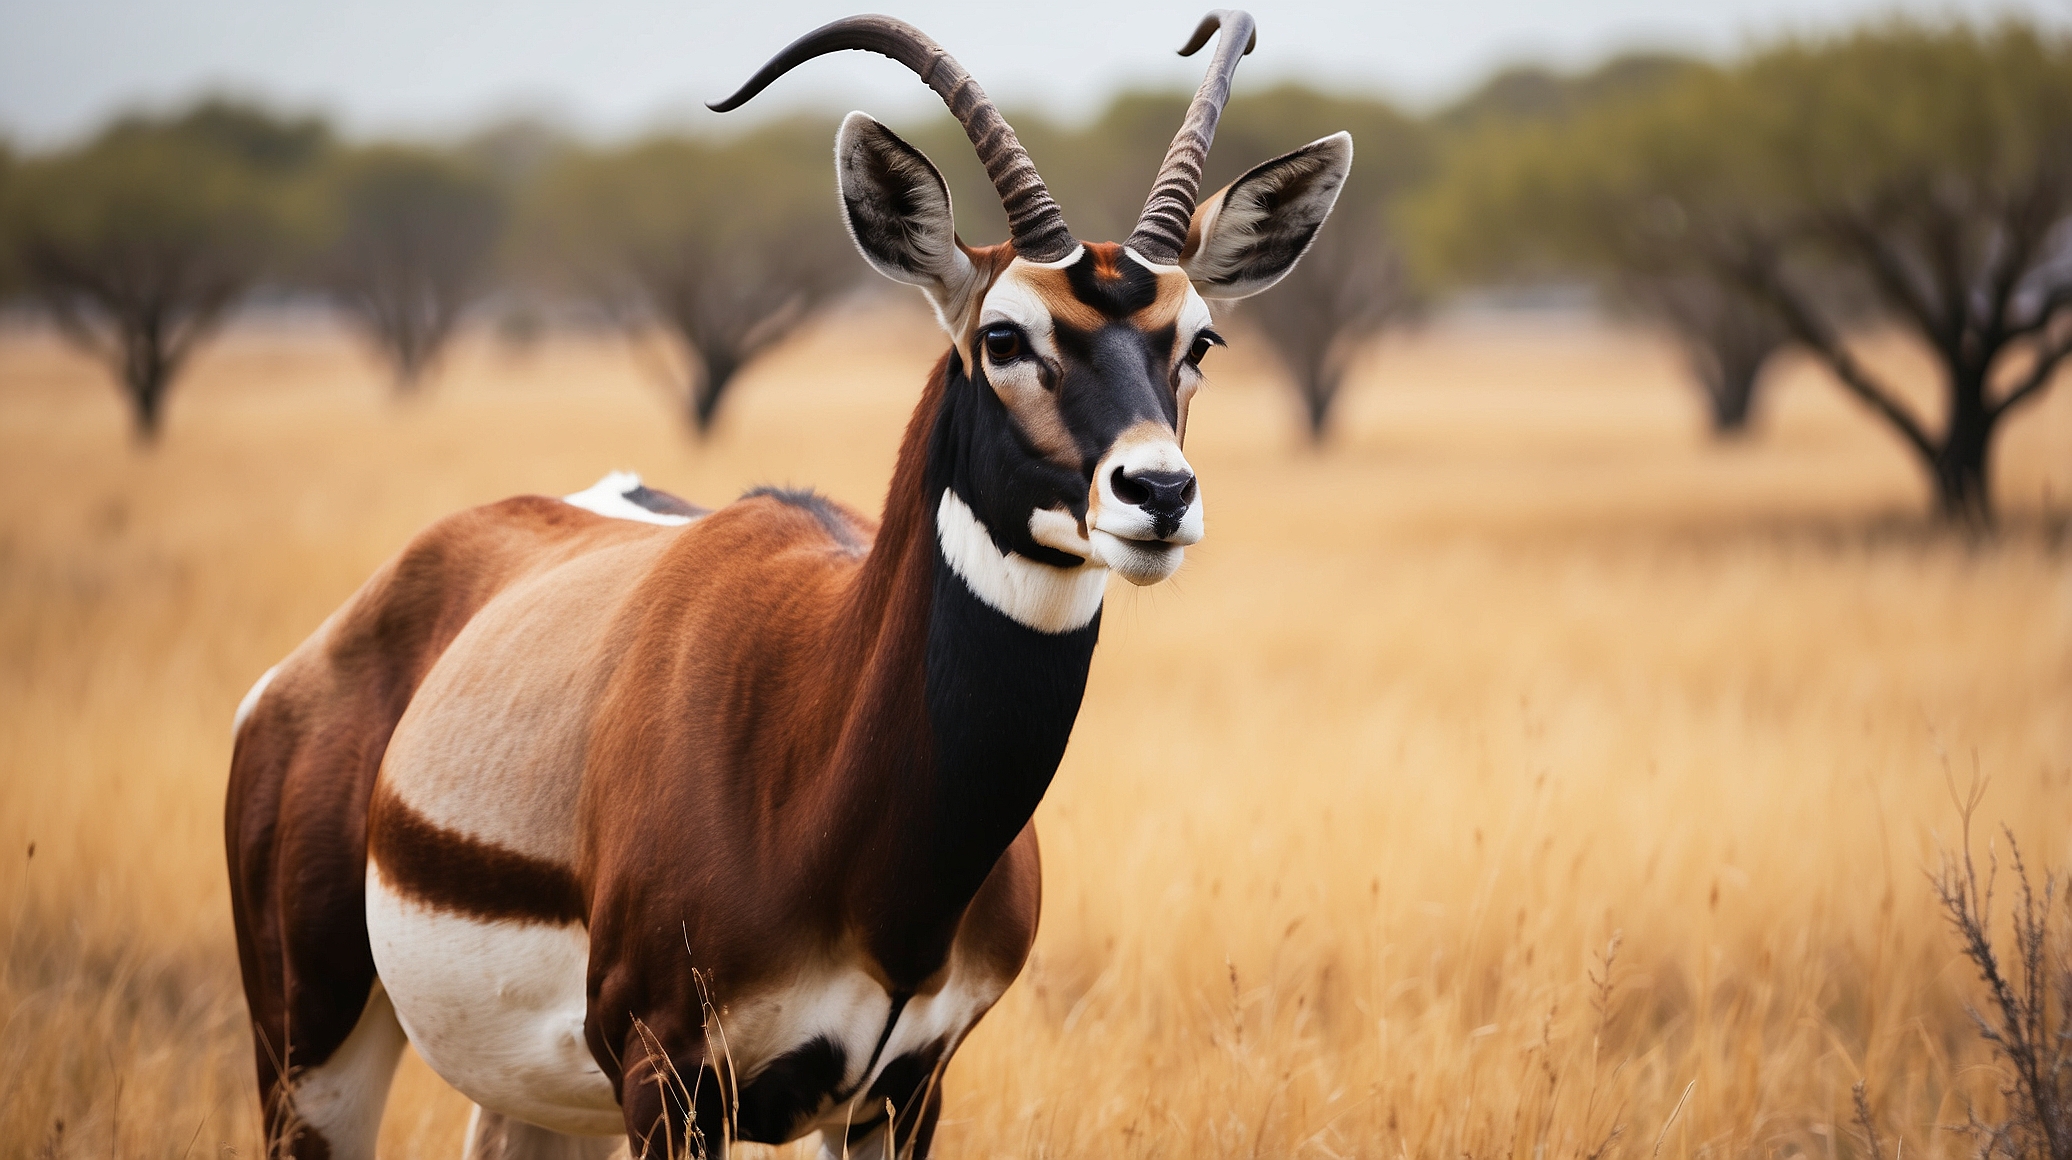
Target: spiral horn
x,y
1161,229
1033,218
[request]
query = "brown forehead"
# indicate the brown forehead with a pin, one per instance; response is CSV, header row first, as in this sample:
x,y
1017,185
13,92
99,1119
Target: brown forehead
x,y
1105,286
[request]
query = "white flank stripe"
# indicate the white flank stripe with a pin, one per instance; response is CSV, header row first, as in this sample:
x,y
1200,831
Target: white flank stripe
x,y
1034,595
607,497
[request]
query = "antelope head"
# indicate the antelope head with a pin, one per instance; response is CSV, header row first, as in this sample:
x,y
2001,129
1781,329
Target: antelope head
x,y
1073,362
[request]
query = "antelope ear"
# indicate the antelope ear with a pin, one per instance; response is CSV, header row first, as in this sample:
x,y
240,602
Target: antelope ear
x,y
897,208
1250,234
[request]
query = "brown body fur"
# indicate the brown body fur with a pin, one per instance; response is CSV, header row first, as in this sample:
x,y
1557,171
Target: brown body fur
x,y
739,700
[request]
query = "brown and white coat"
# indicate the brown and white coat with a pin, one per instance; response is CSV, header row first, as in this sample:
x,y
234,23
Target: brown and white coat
x,y
641,822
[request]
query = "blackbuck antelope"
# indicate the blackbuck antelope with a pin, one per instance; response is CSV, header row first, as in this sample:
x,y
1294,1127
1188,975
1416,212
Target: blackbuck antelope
x,y
686,827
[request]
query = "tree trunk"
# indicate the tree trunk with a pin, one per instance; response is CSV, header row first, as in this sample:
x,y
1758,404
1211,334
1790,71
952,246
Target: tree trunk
x,y
407,338
146,405
408,360
1728,379
1957,460
1319,392
1726,337
147,371
1961,467
719,370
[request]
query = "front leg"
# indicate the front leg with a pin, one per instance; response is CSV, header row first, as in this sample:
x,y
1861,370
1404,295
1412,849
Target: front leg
x,y
911,1130
675,1105
646,1027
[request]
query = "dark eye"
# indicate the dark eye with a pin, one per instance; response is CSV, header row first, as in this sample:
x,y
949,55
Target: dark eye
x,y
1003,343
1200,349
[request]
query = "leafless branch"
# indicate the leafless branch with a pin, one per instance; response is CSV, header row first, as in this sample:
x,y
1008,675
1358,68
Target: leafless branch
x,y
1889,269
2040,375
2024,1018
2056,299
1757,271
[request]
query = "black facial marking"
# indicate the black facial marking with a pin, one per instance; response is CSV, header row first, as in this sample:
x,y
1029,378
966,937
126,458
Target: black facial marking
x,y
1161,340
831,517
1103,382
1111,283
1115,378
978,451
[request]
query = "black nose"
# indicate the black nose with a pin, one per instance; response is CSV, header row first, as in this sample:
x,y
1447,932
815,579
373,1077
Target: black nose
x,y
1164,495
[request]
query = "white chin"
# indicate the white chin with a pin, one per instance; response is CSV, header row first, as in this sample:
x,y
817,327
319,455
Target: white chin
x,y
1137,561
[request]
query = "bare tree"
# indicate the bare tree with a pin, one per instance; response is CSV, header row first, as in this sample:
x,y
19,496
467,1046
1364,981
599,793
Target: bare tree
x,y
1355,281
1929,166
726,248
412,235
1727,337
729,302
1532,192
1348,288
136,246
1932,166
1985,284
10,262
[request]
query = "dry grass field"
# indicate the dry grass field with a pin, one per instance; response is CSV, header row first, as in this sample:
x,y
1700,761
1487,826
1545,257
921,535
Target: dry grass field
x,y
1523,668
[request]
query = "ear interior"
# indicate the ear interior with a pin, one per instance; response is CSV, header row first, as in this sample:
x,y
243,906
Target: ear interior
x,y
897,209
1252,232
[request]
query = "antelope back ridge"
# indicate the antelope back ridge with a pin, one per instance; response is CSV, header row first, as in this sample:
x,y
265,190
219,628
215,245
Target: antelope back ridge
x,y
641,821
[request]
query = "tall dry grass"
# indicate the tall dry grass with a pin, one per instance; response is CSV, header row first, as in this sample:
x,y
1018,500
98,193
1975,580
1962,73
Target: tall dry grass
x,y
1524,776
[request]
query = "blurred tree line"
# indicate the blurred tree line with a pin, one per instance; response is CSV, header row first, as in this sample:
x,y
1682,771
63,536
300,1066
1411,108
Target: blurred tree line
x,y
1908,175
1914,176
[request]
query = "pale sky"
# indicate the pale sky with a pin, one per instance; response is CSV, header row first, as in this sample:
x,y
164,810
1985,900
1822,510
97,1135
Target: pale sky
x,y
615,67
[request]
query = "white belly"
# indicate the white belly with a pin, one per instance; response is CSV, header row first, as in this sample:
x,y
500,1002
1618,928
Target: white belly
x,y
496,1008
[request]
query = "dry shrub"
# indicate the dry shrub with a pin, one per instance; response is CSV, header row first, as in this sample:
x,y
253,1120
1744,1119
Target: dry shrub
x,y
2028,996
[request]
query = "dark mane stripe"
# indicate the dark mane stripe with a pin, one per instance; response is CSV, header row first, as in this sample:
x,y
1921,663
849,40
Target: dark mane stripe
x,y
833,519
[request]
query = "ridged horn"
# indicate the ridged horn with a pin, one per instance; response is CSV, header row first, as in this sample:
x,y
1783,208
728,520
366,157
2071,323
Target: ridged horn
x,y
1033,217
1161,229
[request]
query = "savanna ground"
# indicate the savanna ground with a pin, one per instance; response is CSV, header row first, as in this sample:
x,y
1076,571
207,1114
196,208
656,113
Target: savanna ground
x,y
1522,669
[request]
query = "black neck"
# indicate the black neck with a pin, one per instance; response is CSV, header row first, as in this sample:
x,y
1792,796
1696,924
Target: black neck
x,y
999,700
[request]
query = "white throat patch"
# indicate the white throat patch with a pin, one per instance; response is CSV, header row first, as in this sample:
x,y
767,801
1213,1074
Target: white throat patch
x,y
1033,595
